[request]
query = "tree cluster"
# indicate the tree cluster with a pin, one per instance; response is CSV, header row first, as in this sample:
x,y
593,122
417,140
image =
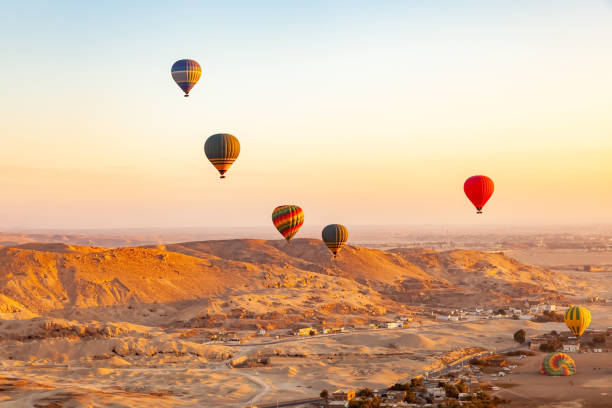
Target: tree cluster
x,y
551,345
547,316
599,338
519,336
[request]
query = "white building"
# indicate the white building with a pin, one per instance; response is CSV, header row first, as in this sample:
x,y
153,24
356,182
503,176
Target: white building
x,y
394,325
442,317
453,318
571,347
550,308
463,395
436,392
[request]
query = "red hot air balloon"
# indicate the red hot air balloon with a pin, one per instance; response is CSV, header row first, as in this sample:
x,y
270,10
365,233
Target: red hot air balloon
x,y
478,189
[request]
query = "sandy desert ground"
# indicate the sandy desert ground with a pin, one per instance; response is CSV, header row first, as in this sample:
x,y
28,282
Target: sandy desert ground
x,y
93,327
590,387
560,257
148,368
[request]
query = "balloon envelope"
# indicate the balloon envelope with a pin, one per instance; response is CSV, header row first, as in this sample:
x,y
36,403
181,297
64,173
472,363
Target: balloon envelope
x,y
577,319
558,364
335,236
478,189
288,219
222,149
186,73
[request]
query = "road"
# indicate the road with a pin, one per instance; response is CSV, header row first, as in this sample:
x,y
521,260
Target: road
x,y
264,385
292,403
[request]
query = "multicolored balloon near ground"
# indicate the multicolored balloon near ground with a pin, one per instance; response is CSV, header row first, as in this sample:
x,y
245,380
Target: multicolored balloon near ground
x,y
222,149
186,73
577,319
558,364
478,189
335,236
288,219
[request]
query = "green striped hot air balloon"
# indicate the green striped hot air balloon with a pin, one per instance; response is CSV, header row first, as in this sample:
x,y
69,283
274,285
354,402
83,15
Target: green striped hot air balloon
x,y
222,149
577,319
288,220
335,236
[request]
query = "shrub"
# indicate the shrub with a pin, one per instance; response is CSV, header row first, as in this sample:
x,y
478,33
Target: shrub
x,y
410,396
451,391
599,338
552,345
520,352
401,387
519,336
364,393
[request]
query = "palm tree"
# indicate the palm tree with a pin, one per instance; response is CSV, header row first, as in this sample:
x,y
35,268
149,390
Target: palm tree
x,y
325,394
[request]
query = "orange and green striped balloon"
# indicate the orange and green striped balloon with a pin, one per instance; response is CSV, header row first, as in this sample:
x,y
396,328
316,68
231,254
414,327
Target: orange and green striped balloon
x,y
288,220
577,319
335,236
222,149
558,364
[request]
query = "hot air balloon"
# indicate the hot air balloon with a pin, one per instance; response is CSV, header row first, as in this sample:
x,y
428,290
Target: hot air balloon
x,y
288,219
186,73
557,364
222,149
334,236
478,189
577,319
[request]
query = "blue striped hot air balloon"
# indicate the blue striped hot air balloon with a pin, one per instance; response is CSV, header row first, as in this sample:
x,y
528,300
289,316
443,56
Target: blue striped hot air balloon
x,y
186,73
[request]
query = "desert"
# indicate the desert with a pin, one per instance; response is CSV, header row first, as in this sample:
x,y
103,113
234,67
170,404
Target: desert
x,y
212,323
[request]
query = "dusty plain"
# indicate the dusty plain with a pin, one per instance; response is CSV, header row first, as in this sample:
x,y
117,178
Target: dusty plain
x,y
590,387
135,327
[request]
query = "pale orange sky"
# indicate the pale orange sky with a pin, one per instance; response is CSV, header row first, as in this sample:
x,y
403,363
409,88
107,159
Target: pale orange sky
x,y
368,116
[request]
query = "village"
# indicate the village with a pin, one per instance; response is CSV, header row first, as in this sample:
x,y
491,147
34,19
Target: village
x,y
532,310
472,380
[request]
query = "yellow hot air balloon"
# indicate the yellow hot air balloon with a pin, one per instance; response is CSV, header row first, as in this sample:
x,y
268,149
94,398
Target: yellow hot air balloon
x,y
577,319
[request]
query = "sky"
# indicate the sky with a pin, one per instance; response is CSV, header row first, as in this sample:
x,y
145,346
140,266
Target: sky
x,y
361,112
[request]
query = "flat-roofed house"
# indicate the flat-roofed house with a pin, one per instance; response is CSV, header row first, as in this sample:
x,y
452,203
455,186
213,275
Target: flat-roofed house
x,y
343,395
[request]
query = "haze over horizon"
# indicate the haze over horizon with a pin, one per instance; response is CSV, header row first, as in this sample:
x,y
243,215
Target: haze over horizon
x,y
372,114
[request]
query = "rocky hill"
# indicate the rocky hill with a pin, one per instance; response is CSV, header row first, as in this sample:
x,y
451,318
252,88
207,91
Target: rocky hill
x,y
252,281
